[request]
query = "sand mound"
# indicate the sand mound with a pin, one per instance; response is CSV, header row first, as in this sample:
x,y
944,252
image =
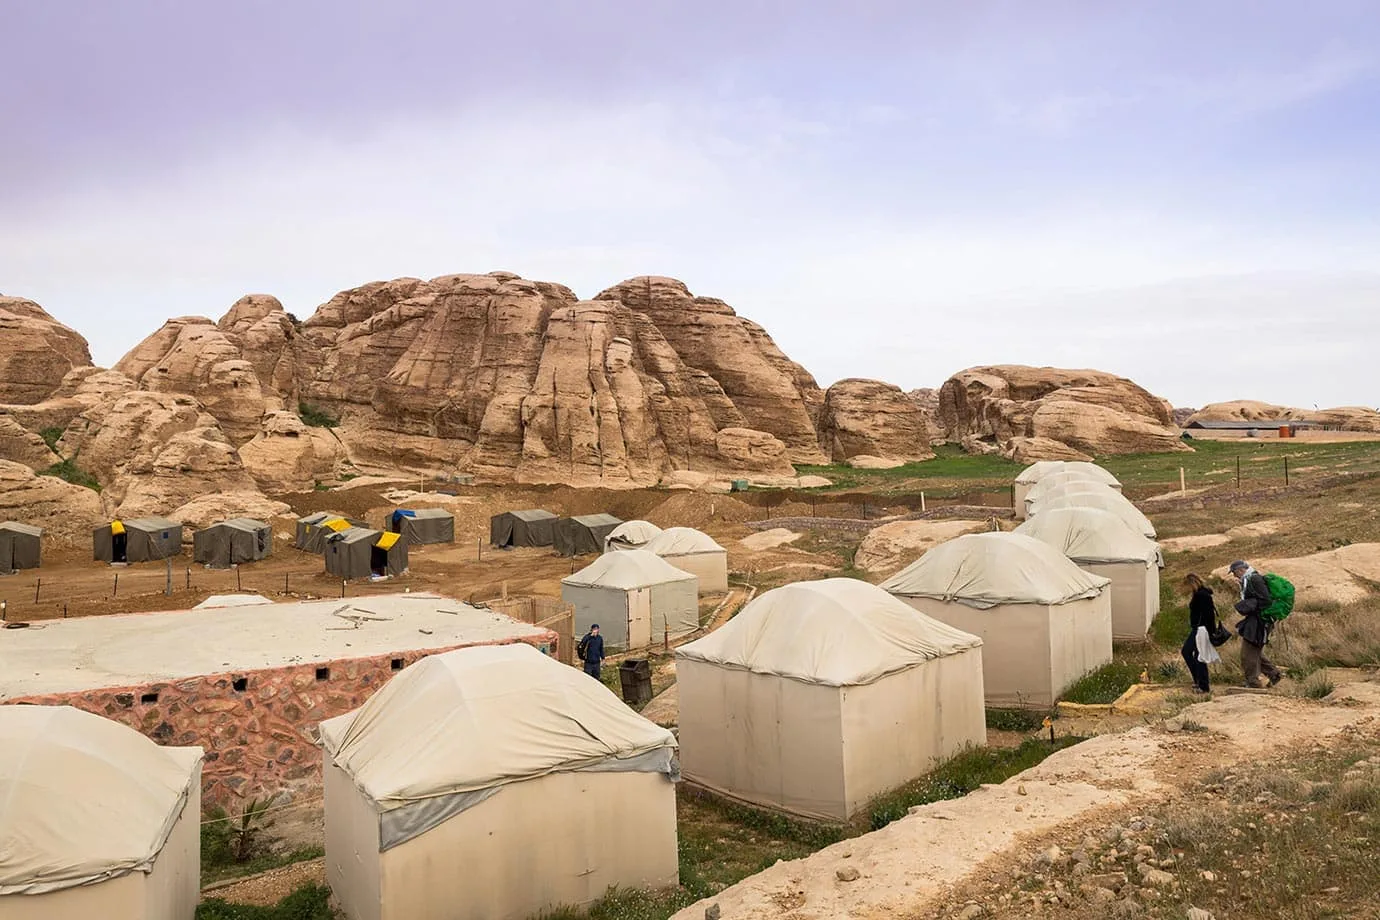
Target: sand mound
x,y
1338,575
695,509
769,539
1203,541
899,543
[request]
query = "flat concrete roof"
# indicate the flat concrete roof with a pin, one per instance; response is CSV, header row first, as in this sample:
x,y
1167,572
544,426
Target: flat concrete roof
x,y
124,650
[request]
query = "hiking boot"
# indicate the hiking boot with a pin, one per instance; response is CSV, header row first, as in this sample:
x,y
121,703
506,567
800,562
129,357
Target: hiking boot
x,y
1278,676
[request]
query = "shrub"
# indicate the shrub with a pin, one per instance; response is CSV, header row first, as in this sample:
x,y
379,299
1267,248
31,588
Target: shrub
x,y
51,436
316,418
1318,685
69,471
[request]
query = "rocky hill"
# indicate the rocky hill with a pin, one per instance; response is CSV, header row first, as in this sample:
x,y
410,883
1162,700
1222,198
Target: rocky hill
x,y
1347,418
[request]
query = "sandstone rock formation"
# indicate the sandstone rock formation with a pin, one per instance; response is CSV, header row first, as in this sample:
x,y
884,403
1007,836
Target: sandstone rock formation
x,y
19,444
927,399
872,418
220,506
1029,450
36,351
1093,412
288,455
1346,418
64,511
1181,415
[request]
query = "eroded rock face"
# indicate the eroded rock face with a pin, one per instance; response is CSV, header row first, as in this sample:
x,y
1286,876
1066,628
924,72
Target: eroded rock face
x,y
288,456
927,399
36,352
19,444
1031,450
868,417
1092,411
210,509
1346,418
64,511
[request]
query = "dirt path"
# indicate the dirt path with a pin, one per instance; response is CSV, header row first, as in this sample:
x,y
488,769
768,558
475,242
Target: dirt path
x,y
910,867
268,888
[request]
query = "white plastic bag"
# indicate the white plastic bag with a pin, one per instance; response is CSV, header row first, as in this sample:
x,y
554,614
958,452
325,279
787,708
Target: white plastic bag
x,y
1207,654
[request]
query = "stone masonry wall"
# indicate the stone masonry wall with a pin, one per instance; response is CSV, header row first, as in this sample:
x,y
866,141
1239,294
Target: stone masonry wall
x,y
258,727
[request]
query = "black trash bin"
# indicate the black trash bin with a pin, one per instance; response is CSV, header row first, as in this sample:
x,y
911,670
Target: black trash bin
x,y
635,676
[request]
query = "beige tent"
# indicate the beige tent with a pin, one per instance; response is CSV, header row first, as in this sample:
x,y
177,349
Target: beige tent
x,y
630,535
96,821
820,695
494,783
1038,471
1043,621
695,552
1101,543
636,597
1102,500
1065,481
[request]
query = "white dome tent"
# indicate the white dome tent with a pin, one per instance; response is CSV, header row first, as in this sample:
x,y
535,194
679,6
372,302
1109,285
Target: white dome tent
x,y
1043,621
95,820
1102,500
1099,542
820,695
481,784
630,535
636,597
693,551
1042,469
1056,483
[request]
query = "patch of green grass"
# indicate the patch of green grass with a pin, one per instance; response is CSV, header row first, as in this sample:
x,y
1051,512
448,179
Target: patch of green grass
x,y
949,463
1105,684
51,436
1014,720
311,902
1262,462
316,418
69,471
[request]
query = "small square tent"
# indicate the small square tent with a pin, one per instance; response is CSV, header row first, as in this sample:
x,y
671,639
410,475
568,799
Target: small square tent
x,y
636,597
695,552
583,533
96,821
138,540
21,547
532,527
313,529
820,695
630,535
1101,543
360,553
423,525
1038,471
1075,480
1101,499
1043,621
483,783
232,542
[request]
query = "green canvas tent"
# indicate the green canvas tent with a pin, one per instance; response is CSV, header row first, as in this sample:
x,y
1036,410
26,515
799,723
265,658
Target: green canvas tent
x,y
139,540
583,533
20,547
232,542
532,527
360,552
313,529
423,525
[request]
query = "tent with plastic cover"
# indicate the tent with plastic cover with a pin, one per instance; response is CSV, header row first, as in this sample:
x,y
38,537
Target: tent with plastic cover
x,y
820,695
533,527
21,547
1101,543
232,542
695,552
1036,472
630,535
359,552
1076,480
423,525
96,821
148,539
494,782
583,533
1044,622
313,529
636,597
1095,497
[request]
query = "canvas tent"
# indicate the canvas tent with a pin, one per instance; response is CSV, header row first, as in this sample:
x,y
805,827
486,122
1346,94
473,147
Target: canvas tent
x,y
313,529
1101,543
232,542
359,552
1063,481
695,552
532,527
1043,621
21,547
583,533
423,525
96,821
820,695
636,597
138,540
1101,499
1038,471
494,783
630,535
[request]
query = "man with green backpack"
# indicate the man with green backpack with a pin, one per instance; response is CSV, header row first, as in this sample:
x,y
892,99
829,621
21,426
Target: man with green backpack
x,y
1265,600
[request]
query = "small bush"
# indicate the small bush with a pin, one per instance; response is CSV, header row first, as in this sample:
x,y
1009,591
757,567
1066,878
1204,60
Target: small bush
x,y
1357,794
1014,720
316,418
51,436
1318,685
69,471
1105,684
1169,671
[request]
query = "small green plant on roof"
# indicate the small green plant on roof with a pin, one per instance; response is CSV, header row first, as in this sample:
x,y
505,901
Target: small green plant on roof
x,y
316,418
69,471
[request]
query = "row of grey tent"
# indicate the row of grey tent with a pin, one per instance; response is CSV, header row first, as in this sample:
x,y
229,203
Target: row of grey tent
x,y
577,535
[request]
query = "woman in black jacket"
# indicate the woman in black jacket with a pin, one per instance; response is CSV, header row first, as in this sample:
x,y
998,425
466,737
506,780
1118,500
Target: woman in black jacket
x,y
1201,612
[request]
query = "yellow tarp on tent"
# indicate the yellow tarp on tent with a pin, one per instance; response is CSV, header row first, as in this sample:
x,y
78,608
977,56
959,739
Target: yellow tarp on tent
x,y
337,524
387,540
117,527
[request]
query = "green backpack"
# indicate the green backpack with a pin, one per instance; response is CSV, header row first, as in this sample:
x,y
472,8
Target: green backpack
x,y
1281,598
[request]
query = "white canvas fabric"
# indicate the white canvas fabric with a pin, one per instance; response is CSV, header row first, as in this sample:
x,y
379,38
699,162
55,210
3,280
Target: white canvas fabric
x,y
1039,470
232,600
837,632
1103,500
682,541
1066,482
985,570
630,534
634,568
1091,535
453,729
83,799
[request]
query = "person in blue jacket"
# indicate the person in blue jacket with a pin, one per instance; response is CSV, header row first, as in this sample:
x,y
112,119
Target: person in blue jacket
x,y
591,651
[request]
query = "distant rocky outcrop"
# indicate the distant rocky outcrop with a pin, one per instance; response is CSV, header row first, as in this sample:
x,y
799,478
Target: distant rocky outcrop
x,y
1092,412
64,511
875,419
1181,415
36,352
927,398
1345,418
287,455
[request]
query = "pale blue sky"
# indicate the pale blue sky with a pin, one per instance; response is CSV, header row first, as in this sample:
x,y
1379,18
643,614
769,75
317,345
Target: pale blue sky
x,y
1184,193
